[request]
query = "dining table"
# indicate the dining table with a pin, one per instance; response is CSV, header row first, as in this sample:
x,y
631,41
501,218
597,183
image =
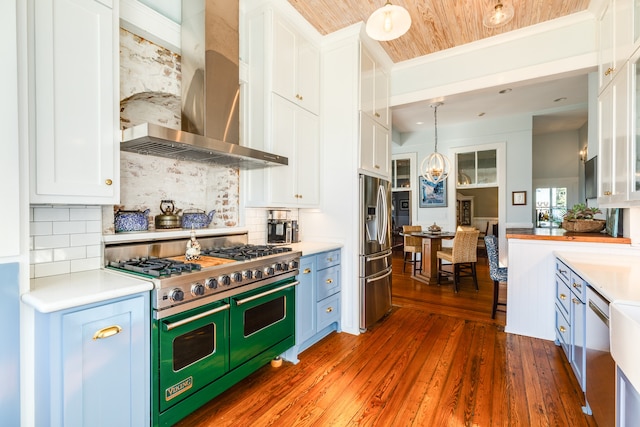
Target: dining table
x,y
431,244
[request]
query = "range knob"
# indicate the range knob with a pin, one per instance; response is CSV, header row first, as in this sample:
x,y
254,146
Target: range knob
x,y
277,266
268,270
257,274
247,274
211,283
197,289
176,295
224,280
284,266
293,264
236,277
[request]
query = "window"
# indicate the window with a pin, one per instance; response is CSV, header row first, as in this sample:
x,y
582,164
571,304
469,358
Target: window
x,y
551,205
401,173
477,169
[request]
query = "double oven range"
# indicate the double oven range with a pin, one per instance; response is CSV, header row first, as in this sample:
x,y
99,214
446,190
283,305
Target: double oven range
x,y
215,319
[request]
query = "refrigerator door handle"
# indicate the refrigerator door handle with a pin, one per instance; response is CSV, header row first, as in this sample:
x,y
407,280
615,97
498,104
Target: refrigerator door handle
x,y
381,211
375,258
375,279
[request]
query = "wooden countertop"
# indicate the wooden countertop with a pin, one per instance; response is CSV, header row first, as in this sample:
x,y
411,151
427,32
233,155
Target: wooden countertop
x,y
561,235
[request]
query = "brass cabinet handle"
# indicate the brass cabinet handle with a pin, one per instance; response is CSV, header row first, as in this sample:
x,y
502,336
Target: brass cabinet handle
x,y
609,71
329,310
299,96
576,301
607,193
377,166
577,285
107,332
562,329
329,281
306,271
377,114
108,182
563,296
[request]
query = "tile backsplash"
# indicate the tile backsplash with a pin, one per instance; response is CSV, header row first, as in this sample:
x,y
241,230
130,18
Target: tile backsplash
x,y
64,239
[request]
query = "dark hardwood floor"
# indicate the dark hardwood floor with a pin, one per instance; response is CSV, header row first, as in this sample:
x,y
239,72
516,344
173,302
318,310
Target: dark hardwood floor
x,y
437,360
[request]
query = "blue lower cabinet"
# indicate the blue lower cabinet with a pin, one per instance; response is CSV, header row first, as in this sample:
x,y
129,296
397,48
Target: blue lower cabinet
x,y
317,301
93,365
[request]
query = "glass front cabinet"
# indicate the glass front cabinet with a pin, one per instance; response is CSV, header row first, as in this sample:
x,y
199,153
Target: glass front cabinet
x,y
477,169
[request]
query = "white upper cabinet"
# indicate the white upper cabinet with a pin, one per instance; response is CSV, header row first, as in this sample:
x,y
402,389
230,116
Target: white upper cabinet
x,y
296,66
374,89
375,147
615,37
75,141
284,102
613,156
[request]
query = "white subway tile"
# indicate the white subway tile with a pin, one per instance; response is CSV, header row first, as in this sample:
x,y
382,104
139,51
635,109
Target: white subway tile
x,y
90,213
50,242
32,271
65,254
94,251
45,213
85,264
94,226
44,228
52,268
86,239
69,227
40,256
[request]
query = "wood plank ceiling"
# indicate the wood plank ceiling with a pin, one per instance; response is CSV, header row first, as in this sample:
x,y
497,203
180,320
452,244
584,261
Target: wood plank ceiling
x,y
436,24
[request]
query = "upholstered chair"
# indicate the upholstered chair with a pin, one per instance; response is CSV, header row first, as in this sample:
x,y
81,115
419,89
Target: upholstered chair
x,y
498,274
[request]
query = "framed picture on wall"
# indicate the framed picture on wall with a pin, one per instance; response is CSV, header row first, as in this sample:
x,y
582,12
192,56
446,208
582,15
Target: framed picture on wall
x,y
432,195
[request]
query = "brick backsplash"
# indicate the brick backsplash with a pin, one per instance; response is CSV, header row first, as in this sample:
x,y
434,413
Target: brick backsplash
x,y
64,239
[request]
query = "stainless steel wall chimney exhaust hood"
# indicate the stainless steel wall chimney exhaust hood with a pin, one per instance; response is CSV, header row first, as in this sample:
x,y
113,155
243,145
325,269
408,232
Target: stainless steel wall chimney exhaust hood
x,y
210,95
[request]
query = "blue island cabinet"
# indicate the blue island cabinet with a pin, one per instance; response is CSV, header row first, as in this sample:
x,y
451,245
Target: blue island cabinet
x,y
317,301
93,364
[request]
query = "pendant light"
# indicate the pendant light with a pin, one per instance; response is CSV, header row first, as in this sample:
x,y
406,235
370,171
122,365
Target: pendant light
x,y
435,167
499,15
388,22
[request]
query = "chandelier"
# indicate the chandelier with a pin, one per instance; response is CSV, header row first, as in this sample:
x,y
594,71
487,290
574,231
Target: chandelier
x,y
435,167
388,22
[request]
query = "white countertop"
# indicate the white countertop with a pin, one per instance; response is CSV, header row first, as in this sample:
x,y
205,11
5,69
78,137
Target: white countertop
x,y
615,277
311,248
54,293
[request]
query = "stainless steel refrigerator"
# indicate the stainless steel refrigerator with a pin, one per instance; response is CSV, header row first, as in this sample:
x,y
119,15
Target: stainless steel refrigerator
x,y
374,250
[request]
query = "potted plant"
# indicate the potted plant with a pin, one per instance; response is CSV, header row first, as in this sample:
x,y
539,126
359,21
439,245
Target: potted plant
x,y
580,218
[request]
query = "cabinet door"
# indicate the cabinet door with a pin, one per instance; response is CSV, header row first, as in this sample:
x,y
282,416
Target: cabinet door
x,y
381,104
613,160
105,373
375,149
306,300
367,82
283,178
296,67
634,149
75,146
307,159
606,47
578,330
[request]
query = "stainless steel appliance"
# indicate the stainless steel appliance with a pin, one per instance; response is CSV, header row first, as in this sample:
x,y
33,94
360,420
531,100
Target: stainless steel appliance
x,y
215,319
282,231
375,250
210,95
601,369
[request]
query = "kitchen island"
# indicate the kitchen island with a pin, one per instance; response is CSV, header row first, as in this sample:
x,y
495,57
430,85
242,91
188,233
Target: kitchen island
x,y
531,264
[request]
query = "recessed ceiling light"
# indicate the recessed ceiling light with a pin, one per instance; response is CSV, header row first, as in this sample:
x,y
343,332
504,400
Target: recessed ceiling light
x,y
503,91
560,99
419,123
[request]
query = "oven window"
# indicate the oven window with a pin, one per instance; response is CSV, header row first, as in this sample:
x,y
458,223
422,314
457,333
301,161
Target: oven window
x,y
193,346
263,315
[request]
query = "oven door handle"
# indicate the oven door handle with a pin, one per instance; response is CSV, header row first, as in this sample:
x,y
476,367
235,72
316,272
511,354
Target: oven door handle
x,y
272,291
173,325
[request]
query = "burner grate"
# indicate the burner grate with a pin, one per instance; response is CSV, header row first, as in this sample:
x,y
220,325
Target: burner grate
x,y
245,252
156,267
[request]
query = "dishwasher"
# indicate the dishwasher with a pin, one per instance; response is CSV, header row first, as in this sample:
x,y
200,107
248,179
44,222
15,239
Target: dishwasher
x,y
601,368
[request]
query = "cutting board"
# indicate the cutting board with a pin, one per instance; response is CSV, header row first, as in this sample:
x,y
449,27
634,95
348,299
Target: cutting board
x,y
204,261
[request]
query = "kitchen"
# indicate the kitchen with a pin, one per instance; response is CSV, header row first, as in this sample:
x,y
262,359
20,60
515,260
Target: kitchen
x,y
333,178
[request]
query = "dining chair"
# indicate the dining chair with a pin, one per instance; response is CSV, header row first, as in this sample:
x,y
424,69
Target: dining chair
x,y
413,246
498,274
463,255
